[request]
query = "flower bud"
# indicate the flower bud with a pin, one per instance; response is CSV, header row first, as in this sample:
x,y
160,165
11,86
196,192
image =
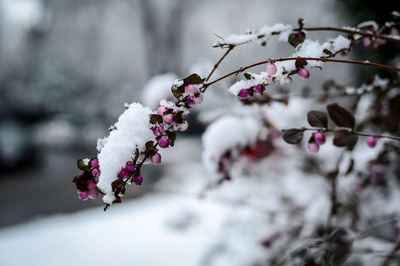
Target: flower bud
x,y
319,138
366,41
183,126
271,69
95,172
312,147
163,142
158,130
190,89
371,142
123,173
138,180
198,99
243,94
94,163
156,158
168,119
83,195
130,166
303,73
258,89
162,109
93,194
91,184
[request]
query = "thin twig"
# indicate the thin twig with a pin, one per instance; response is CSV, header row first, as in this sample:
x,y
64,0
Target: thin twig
x,y
219,62
366,63
391,254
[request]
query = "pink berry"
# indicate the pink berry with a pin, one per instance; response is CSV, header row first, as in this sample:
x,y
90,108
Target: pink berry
x,y
394,31
190,101
130,166
138,180
123,173
258,89
312,147
319,138
371,142
243,94
158,130
162,109
95,171
156,158
94,163
83,195
190,89
91,184
184,126
93,194
366,41
303,73
271,69
168,119
163,142
198,99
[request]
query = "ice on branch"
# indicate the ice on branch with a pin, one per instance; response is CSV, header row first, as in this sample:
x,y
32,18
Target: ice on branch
x,y
263,35
130,132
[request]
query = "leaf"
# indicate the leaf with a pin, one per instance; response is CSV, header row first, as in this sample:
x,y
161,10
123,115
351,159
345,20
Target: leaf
x,y
116,184
81,165
178,118
293,135
248,76
192,79
300,63
172,137
317,119
344,138
296,38
177,91
326,51
156,119
341,116
149,145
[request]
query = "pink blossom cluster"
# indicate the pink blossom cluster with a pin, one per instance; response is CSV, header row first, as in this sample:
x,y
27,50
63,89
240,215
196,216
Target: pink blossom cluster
x,y
376,42
86,182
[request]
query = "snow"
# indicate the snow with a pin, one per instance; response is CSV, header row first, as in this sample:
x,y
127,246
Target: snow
x,y
131,131
135,233
157,89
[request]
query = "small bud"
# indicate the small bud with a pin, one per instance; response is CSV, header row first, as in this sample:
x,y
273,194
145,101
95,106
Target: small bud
x,y
168,119
371,142
91,184
366,41
158,130
271,69
83,195
198,99
319,138
243,94
94,163
288,80
184,126
138,180
130,166
123,173
163,142
258,89
93,194
156,158
162,109
190,101
190,89
95,172
303,73
312,147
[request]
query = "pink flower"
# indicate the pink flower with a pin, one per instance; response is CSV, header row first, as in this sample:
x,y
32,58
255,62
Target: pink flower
x,y
138,180
83,195
168,119
158,130
258,89
123,173
271,69
319,138
163,142
130,166
243,94
162,109
190,89
156,158
371,142
303,73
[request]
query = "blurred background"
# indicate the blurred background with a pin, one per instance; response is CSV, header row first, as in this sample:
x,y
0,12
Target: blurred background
x,y
66,69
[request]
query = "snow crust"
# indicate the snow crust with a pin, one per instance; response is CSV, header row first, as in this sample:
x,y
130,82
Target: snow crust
x,y
131,131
